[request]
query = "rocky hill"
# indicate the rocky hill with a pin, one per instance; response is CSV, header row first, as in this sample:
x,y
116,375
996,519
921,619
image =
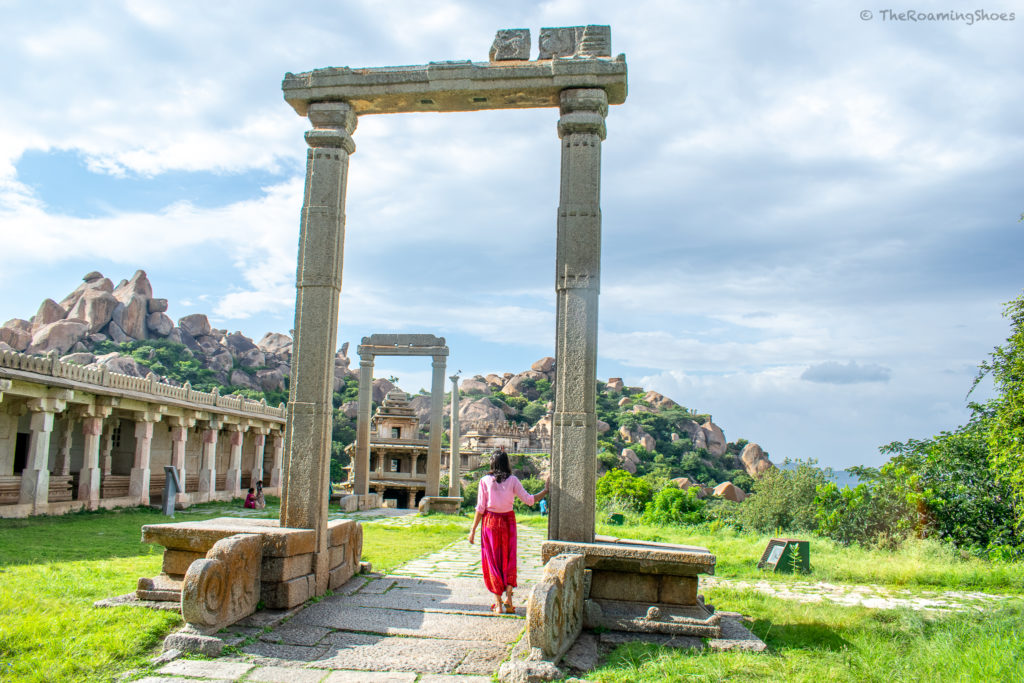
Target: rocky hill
x,y
127,329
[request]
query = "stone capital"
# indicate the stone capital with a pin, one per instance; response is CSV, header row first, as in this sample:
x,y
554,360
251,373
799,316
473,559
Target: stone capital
x,y
337,115
237,438
366,361
583,99
185,421
327,138
46,405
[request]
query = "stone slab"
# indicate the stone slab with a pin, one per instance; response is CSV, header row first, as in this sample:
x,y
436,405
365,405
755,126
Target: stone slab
x,y
274,654
177,561
368,652
132,600
337,614
296,634
202,668
736,636
371,677
621,615
179,679
288,594
637,557
616,638
284,674
454,86
199,537
276,569
448,678
583,655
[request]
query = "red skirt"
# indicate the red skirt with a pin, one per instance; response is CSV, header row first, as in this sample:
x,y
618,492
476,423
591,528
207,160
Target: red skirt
x,y
498,550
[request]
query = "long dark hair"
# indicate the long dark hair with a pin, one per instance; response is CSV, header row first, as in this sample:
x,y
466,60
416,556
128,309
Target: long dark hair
x,y
500,469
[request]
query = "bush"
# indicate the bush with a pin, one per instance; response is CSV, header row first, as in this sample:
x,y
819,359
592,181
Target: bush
x,y
469,492
868,514
672,505
782,499
532,485
622,487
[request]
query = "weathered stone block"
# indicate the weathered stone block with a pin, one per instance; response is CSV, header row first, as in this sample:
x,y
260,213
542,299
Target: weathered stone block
x,y
287,594
349,503
678,590
510,44
225,586
640,557
341,530
178,561
617,585
341,574
200,536
277,569
161,588
337,556
554,610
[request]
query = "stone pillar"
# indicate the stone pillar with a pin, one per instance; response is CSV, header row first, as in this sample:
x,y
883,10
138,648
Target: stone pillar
x,y
35,478
179,445
410,499
577,277
257,465
62,467
89,475
233,478
318,286
138,486
361,465
454,470
107,459
208,463
436,427
275,469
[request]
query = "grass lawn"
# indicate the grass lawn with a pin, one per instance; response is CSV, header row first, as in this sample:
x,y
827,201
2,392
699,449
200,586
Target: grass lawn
x,y
52,569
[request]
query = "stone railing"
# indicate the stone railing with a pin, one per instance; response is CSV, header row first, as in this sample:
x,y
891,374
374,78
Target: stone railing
x,y
102,377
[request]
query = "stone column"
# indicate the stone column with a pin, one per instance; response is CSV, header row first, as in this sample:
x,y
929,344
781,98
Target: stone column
x,y
138,486
577,277
434,442
361,465
62,467
208,463
257,465
410,498
318,286
454,469
107,459
89,475
275,469
35,478
233,477
179,445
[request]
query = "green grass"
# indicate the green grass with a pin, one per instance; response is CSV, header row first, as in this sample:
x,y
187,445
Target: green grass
x,y
823,642
52,569
922,564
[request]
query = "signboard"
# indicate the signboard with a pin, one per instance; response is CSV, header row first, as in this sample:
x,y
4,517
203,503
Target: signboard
x,y
786,555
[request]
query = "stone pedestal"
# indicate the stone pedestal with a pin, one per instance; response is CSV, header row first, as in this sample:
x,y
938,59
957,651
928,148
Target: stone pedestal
x,y
643,586
287,558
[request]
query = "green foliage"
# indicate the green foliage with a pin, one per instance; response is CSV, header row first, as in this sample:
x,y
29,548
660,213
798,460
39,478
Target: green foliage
x,y
781,499
1004,423
672,505
469,493
534,411
165,359
957,495
871,513
621,486
532,485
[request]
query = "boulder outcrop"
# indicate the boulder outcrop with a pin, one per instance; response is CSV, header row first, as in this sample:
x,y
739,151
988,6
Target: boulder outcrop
x,y
754,460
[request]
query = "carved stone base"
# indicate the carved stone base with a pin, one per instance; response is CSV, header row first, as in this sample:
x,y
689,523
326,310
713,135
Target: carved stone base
x,y
285,566
445,504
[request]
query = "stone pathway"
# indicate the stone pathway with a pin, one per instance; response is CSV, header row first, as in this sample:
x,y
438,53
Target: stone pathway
x,y
877,597
428,622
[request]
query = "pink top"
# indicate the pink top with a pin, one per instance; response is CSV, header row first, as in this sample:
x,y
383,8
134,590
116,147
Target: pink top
x,y
495,497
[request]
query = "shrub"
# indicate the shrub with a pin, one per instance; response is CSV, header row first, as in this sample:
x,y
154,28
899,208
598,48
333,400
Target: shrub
x,y
673,505
621,486
783,499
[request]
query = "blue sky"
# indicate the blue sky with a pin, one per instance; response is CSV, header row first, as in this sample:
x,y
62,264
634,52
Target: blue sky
x,y
810,218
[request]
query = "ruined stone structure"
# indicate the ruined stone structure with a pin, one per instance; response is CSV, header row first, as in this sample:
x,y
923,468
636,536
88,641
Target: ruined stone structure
x,y
399,345
483,437
397,456
74,438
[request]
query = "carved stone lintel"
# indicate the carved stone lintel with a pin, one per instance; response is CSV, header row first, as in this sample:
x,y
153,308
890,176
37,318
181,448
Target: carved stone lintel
x,y
510,44
225,586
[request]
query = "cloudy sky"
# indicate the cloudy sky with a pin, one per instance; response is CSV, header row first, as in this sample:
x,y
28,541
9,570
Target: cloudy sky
x,y
810,211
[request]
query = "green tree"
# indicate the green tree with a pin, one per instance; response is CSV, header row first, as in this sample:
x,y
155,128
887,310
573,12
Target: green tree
x,y
783,499
1004,419
672,505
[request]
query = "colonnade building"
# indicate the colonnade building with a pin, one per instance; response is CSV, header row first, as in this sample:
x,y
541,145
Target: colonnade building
x,y
75,438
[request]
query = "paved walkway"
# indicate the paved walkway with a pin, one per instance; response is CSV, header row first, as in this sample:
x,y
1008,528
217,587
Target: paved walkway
x,y
876,597
428,622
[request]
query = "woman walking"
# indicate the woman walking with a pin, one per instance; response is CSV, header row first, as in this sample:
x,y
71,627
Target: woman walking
x,y
498,491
